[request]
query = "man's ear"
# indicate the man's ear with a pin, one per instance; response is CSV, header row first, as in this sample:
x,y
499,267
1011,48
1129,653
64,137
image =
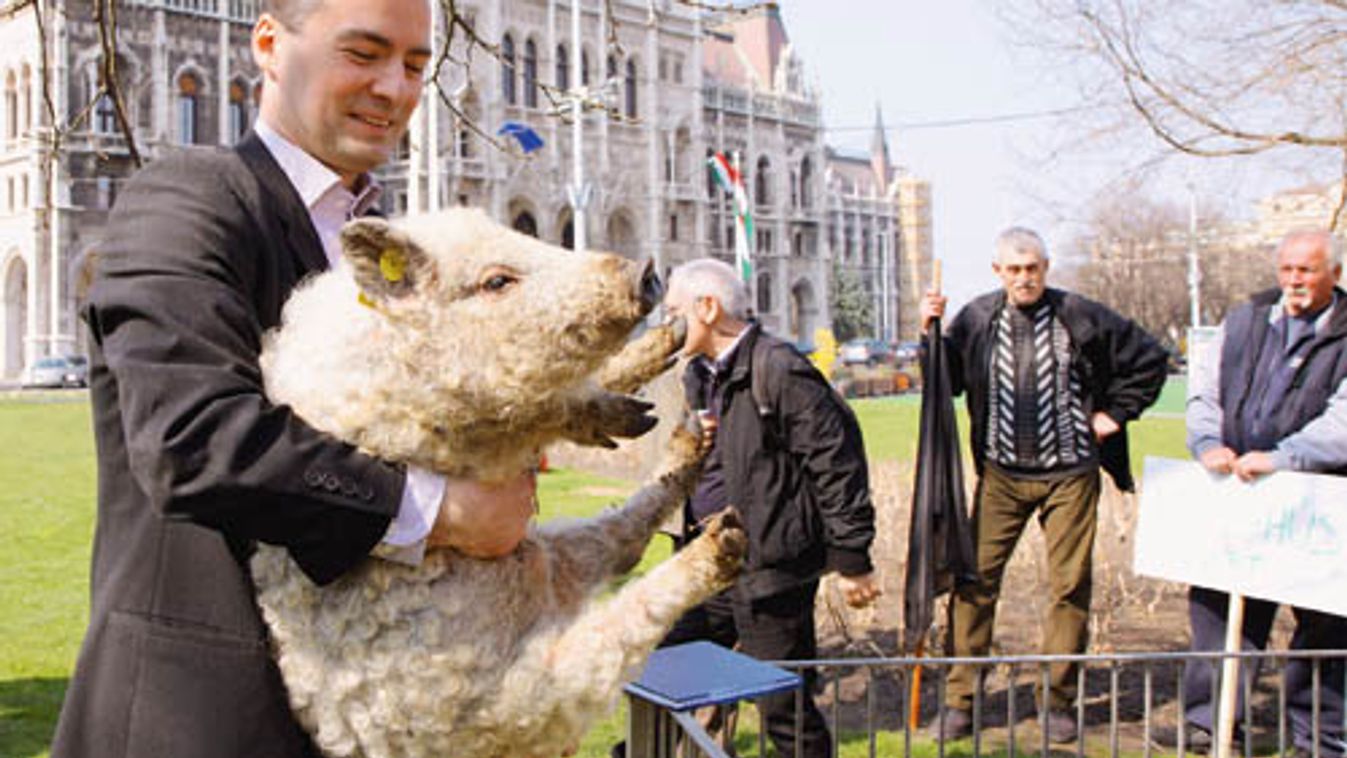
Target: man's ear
x,y
264,41
713,310
386,264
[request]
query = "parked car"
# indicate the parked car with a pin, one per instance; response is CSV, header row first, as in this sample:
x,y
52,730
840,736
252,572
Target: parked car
x,y
907,351
871,352
58,371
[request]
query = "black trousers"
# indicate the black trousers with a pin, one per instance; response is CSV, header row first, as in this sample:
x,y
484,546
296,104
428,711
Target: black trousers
x,y
1314,631
779,627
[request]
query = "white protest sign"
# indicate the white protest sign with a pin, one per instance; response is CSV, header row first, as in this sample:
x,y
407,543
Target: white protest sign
x,y
1281,538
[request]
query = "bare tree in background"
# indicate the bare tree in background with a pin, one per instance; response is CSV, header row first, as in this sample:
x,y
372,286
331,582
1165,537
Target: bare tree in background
x,y
1211,78
1132,256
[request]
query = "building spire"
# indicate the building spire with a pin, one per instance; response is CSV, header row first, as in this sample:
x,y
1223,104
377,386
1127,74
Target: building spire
x,y
879,152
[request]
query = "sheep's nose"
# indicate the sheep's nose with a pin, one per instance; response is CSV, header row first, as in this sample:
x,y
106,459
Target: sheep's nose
x,y
650,286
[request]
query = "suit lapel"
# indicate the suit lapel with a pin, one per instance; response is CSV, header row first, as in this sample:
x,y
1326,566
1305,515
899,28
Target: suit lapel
x,y
301,237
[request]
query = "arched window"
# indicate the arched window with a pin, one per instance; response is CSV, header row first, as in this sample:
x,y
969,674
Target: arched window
x,y
26,98
507,90
188,90
762,182
524,223
764,293
568,235
584,67
806,183
11,107
530,74
563,68
238,112
630,88
105,114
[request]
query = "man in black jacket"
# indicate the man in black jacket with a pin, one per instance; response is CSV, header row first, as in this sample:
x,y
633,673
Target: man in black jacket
x,y
194,464
788,454
1051,379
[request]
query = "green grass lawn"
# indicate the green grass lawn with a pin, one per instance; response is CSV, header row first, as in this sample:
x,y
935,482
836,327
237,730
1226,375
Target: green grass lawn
x,y
46,515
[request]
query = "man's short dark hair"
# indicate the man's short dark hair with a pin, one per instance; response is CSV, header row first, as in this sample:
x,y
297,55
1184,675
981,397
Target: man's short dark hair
x,y
291,13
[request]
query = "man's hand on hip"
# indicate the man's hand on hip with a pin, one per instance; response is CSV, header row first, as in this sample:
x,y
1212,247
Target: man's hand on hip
x,y
1104,426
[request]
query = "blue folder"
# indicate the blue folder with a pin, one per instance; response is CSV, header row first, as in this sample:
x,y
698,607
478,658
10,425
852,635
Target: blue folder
x,y
695,674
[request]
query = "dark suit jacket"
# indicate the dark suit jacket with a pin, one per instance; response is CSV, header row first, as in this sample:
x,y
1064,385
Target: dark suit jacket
x,y
195,466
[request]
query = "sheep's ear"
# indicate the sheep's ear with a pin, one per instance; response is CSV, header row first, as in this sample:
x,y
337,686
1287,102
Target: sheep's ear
x,y
386,263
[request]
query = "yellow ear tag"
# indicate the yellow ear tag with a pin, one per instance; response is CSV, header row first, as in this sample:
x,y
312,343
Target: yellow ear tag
x,y
392,264
365,301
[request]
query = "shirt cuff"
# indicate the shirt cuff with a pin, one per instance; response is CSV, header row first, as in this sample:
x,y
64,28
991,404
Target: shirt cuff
x,y
405,540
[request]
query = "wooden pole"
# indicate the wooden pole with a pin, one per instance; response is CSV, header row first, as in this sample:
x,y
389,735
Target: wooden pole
x,y
1234,633
914,690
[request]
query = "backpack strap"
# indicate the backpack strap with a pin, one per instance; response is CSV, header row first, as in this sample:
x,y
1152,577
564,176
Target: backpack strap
x,y
758,390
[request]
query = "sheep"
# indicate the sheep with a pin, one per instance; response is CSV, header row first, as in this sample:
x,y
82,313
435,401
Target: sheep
x,y
452,343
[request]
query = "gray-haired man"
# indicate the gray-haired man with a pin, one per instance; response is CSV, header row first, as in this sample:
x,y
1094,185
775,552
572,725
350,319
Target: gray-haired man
x,y
1051,379
1276,400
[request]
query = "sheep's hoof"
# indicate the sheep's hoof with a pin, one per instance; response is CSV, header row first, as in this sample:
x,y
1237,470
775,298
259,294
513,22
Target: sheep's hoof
x,y
725,531
609,415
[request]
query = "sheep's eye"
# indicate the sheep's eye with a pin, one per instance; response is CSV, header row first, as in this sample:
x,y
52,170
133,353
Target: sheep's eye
x,y
498,282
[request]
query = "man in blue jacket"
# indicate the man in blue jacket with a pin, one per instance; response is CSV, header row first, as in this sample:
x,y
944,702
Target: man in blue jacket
x,y
1051,379
1276,400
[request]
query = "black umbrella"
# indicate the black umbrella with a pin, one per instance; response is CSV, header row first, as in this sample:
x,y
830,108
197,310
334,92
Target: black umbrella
x,y
939,542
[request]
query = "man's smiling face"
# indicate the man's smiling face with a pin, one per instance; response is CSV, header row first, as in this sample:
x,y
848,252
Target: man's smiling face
x,y
344,80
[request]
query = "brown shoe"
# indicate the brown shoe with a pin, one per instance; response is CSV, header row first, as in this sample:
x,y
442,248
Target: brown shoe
x,y
952,724
1061,727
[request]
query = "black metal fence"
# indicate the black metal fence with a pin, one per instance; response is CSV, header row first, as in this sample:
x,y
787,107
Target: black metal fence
x,y
1127,703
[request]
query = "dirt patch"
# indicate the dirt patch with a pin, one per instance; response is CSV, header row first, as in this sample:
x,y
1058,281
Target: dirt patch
x,y
1129,614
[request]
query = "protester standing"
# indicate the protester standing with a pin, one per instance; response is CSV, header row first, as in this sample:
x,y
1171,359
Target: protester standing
x,y
1052,378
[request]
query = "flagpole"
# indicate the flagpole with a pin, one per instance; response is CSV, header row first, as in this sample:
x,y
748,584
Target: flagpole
x,y
578,199
914,691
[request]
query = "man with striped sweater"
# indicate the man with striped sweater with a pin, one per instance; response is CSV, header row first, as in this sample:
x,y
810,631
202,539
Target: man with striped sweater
x,y
1051,379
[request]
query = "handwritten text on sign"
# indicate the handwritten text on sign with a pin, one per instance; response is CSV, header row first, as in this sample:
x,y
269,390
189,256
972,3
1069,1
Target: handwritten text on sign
x,y
1281,538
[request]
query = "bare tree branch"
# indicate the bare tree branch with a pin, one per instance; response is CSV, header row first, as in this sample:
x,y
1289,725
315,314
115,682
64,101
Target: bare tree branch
x,y
105,17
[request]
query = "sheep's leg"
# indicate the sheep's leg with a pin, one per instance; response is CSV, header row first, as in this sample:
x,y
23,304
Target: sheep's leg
x,y
644,358
589,551
607,646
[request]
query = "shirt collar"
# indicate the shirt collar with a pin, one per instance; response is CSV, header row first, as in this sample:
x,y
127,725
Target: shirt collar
x,y
1320,321
726,356
310,178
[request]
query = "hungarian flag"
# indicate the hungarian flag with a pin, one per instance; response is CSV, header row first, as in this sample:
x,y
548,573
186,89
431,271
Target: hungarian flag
x,y
732,182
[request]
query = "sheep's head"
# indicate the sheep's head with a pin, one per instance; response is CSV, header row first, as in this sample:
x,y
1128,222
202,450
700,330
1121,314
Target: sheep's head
x,y
497,316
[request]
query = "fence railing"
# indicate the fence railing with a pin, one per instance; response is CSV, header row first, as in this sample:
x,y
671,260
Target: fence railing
x,y
1126,703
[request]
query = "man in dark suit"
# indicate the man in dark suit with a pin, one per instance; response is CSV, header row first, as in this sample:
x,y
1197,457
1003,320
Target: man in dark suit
x,y
195,466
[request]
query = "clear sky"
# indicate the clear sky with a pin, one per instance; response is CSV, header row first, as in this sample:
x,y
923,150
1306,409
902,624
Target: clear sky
x,y
927,62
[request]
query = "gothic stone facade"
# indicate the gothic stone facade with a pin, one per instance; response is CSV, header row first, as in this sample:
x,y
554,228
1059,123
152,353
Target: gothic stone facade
x,y
677,89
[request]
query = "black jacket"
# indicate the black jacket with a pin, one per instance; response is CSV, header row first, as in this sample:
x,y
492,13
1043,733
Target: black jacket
x,y
797,474
1122,368
194,465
